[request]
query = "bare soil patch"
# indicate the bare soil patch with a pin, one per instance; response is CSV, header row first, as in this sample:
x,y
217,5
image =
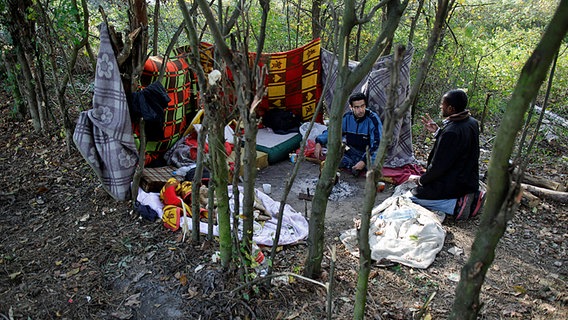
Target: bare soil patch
x,y
68,251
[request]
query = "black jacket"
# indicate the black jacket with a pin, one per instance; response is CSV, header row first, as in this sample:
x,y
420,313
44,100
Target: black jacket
x,y
453,163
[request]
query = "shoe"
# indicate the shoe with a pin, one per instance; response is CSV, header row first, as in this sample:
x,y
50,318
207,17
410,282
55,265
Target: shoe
x,y
356,173
477,203
463,207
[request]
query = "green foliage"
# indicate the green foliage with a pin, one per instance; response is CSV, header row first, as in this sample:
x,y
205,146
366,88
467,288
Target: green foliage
x,y
484,50
63,15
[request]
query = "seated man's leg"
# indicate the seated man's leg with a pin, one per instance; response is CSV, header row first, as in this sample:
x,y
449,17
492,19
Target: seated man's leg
x,y
350,158
445,205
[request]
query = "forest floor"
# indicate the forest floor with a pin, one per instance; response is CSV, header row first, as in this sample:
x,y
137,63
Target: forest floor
x,y
69,251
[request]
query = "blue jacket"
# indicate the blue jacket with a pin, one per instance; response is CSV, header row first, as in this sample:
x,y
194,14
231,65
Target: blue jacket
x,y
359,133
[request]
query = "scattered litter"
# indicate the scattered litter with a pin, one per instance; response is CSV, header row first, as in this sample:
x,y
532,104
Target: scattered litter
x,y
455,251
215,256
280,281
454,277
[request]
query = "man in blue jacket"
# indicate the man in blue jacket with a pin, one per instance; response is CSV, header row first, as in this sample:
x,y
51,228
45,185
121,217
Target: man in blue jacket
x,y
361,129
451,181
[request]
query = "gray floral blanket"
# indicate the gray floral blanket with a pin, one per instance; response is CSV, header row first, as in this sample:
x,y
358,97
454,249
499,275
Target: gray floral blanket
x,y
374,85
103,134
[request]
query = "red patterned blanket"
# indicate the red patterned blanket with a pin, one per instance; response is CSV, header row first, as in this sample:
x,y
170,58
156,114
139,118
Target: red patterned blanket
x,y
293,83
181,88
294,80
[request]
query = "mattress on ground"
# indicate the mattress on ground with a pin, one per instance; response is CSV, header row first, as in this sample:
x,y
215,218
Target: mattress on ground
x,y
277,146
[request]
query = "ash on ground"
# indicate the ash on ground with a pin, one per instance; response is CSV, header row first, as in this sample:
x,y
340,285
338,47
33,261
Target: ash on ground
x,y
340,191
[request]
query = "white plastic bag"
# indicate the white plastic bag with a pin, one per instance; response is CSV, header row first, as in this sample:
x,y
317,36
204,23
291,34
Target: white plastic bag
x,y
316,130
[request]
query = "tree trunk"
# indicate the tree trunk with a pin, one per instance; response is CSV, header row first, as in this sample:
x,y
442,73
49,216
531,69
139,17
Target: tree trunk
x,y
202,84
22,32
250,78
316,23
65,74
373,175
30,86
392,115
221,181
503,197
138,21
542,182
39,79
359,30
415,21
484,113
14,81
558,196
156,24
346,81
136,45
241,74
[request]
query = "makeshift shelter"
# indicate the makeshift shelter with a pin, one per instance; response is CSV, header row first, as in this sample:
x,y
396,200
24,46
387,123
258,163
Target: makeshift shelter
x,y
294,85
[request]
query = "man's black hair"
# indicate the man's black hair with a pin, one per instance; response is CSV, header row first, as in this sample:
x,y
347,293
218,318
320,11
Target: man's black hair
x,y
356,97
457,99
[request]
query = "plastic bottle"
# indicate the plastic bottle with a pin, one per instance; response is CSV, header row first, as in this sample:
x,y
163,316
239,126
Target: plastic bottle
x,y
262,267
181,171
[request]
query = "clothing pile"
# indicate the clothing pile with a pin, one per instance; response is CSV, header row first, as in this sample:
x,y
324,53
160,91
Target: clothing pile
x,y
294,224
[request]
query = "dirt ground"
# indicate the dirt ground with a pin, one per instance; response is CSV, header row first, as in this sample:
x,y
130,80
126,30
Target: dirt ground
x,y
68,251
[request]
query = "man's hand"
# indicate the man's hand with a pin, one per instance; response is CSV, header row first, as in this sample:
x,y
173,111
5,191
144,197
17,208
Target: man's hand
x,y
359,166
317,151
429,124
414,178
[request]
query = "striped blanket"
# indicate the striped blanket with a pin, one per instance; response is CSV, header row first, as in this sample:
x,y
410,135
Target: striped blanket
x,y
374,85
294,80
103,134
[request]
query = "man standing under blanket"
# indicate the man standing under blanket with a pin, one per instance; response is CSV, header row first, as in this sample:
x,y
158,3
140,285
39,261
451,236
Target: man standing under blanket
x,y
451,181
361,129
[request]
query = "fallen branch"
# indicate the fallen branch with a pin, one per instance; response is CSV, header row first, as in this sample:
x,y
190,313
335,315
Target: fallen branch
x,y
542,182
549,134
553,117
276,275
530,200
547,194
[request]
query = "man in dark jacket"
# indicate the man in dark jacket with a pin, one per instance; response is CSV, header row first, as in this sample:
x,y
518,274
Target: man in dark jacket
x,y
361,129
451,181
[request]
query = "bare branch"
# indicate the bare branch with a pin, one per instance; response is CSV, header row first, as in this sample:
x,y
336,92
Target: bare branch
x,y
371,13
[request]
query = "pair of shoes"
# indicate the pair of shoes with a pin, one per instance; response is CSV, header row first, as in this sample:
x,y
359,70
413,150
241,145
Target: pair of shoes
x,y
463,207
477,203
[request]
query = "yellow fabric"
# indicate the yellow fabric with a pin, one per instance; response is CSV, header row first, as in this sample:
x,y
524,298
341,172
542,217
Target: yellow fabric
x,y
171,217
185,191
171,181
